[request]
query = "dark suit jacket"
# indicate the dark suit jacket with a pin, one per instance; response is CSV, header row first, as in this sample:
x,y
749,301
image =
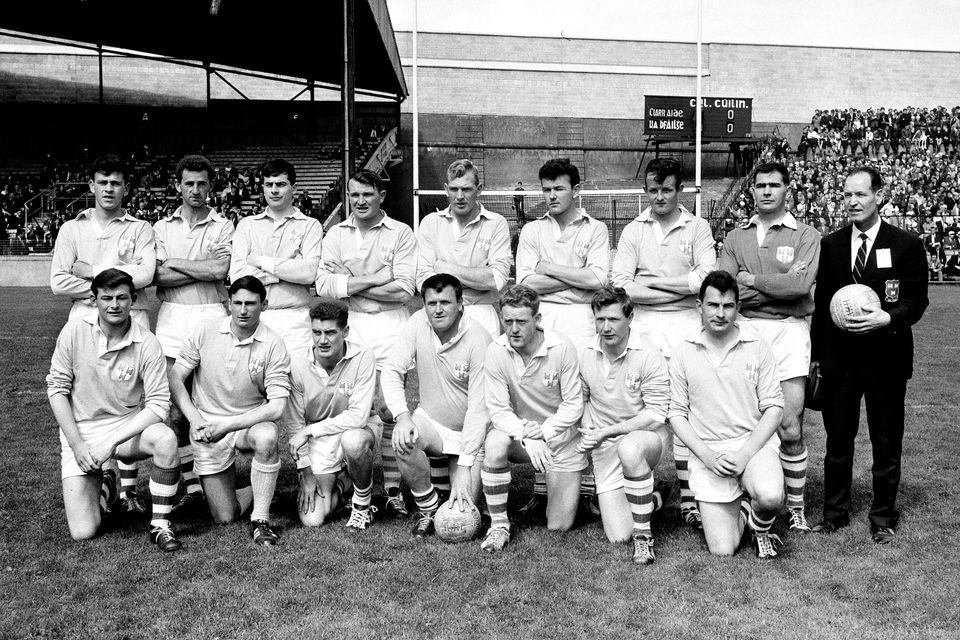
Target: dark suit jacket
x,y
902,288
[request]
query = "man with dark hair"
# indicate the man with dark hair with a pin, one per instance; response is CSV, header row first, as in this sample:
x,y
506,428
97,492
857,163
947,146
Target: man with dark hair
x,y
774,259
108,391
240,386
662,258
450,421
535,402
331,392
626,391
99,238
725,404
369,260
468,241
281,247
873,358
193,258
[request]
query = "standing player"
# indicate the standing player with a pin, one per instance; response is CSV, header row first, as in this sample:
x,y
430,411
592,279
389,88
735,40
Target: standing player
x,y
99,238
280,246
469,242
193,258
370,261
725,404
240,386
534,399
448,350
774,259
104,369
564,256
331,392
873,359
661,260
626,392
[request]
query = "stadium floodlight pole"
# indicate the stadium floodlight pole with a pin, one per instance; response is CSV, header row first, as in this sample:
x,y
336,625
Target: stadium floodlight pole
x,y
416,129
699,130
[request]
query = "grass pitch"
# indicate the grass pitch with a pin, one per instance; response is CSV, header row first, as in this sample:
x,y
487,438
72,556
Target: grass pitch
x,y
381,584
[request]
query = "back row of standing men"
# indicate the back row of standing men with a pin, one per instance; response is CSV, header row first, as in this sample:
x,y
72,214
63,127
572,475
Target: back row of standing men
x,y
374,264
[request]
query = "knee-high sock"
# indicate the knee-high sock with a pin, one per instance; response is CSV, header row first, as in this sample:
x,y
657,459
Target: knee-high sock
x,y
540,484
163,489
440,472
588,482
639,490
758,524
362,496
128,476
108,490
263,481
795,474
391,472
427,501
496,489
681,457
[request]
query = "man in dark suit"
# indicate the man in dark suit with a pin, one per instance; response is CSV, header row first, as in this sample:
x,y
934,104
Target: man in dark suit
x,y
873,358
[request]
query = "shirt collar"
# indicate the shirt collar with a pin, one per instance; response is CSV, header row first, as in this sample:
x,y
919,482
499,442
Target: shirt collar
x,y
88,213
581,215
871,232
550,340
484,213
351,350
386,221
258,334
685,216
786,221
214,215
297,215
133,334
747,334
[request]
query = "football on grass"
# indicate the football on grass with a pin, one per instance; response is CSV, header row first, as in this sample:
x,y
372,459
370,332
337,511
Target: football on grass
x,y
849,302
453,525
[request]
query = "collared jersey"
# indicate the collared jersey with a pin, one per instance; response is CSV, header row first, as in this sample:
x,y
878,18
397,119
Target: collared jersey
x,y
389,243
616,391
233,376
583,243
124,243
724,400
175,239
331,403
547,390
484,242
104,382
292,245
451,377
685,249
776,293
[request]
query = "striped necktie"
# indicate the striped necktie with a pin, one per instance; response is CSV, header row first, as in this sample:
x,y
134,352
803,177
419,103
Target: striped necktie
x,y
861,262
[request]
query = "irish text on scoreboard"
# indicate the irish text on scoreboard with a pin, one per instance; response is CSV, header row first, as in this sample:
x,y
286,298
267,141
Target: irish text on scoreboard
x,y
674,118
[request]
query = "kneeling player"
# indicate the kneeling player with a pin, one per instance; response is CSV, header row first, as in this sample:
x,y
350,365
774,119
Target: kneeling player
x,y
331,391
448,350
105,368
725,405
534,399
240,386
626,393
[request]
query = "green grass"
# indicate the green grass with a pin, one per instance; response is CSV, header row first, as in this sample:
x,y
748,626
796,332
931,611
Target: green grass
x,y
381,584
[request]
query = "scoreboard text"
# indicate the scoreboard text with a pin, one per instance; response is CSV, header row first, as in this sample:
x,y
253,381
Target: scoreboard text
x,y
674,118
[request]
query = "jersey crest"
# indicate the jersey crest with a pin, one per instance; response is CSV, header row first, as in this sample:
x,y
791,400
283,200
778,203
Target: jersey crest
x,y
123,372
633,380
386,254
462,371
891,290
550,378
296,236
256,366
686,246
751,371
484,242
345,388
581,248
785,254
126,249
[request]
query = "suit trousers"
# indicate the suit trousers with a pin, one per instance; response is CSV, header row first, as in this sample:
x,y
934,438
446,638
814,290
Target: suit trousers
x,y
841,420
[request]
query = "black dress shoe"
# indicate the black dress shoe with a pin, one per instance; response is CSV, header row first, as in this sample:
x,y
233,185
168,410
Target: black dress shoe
x,y
830,526
883,535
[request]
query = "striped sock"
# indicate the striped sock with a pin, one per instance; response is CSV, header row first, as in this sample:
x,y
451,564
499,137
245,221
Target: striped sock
x,y
759,525
391,472
190,480
163,489
427,501
108,490
440,472
540,484
588,483
263,481
795,474
681,458
639,492
745,507
496,489
128,476
361,497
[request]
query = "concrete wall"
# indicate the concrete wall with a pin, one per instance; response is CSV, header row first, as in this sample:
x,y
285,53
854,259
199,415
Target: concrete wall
x,y
25,271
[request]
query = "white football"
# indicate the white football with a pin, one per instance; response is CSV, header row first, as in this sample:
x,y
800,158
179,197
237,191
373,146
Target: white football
x,y
849,302
453,525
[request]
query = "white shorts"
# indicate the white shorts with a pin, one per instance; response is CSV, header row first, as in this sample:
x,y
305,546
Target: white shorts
x,y
210,458
293,325
709,487
326,453
575,321
789,339
566,457
666,329
93,433
484,315
607,469
377,331
452,440
81,310
176,321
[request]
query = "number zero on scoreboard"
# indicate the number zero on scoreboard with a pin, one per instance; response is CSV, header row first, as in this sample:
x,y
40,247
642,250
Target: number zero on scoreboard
x,y
674,117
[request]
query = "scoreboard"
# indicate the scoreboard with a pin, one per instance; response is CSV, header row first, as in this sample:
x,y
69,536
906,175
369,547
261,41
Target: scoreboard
x,y
675,118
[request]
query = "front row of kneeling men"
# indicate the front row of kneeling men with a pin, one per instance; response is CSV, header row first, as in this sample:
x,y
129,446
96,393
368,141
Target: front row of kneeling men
x,y
484,402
